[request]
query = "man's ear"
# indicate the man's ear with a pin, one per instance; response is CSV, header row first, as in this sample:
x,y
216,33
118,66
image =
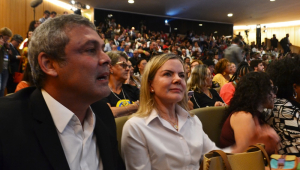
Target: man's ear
x,y
47,64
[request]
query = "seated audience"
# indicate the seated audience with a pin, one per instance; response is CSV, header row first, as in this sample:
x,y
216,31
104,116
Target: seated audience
x,y
148,136
27,80
233,68
5,34
228,89
284,117
223,71
187,60
195,62
187,70
244,119
123,99
200,82
132,79
139,69
211,66
257,65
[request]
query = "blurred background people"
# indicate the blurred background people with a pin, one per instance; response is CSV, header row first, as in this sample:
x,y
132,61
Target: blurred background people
x,y
284,117
244,122
227,91
123,99
223,71
200,82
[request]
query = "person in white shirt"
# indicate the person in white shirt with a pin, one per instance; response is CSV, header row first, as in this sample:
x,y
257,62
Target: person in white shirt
x,y
60,123
163,134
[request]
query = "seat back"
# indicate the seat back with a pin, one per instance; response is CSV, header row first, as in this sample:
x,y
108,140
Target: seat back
x,y
211,119
120,121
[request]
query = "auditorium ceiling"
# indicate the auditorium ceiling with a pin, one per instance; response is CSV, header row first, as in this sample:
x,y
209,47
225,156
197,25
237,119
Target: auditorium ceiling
x,y
245,12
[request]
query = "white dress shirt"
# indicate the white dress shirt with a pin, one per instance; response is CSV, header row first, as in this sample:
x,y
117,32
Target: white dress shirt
x,y
78,143
152,143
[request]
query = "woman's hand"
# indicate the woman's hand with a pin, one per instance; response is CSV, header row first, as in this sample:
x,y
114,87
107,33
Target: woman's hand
x,y
218,103
267,135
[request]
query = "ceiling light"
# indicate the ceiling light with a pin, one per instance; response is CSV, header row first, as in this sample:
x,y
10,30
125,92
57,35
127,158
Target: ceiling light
x,y
87,7
272,0
131,1
61,4
72,2
175,28
230,15
200,25
216,32
73,8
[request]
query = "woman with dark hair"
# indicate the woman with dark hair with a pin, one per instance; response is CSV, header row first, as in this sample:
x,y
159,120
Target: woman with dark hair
x,y
223,72
228,89
187,60
244,119
27,80
200,82
284,117
139,69
33,25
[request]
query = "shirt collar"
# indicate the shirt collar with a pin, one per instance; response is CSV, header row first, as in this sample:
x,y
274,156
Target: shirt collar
x,y
181,113
62,115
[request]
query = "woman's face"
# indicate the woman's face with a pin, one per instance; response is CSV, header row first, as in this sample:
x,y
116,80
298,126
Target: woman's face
x,y
194,64
209,78
169,83
120,70
29,34
187,68
228,68
142,65
187,60
131,69
269,104
233,68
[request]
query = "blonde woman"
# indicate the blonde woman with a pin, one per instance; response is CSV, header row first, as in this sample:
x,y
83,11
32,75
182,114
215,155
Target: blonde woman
x,y
200,82
163,134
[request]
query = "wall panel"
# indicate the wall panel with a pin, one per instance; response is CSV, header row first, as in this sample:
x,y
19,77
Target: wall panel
x,y
17,14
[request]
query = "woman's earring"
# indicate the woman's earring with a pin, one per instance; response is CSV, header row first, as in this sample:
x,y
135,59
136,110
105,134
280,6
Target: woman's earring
x,y
152,91
295,94
112,72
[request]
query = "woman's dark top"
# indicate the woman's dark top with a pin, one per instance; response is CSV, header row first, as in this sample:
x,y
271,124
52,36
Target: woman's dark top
x,y
202,100
131,93
227,134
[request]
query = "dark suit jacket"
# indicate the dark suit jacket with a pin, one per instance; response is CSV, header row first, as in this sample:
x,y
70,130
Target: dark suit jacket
x,y
14,63
29,140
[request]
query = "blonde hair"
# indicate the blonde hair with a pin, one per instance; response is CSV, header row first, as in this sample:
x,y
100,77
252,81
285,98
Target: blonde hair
x,y
196,60
147,102
197,81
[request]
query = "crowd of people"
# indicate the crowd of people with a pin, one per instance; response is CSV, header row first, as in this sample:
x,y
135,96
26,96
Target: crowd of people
x,y
83,77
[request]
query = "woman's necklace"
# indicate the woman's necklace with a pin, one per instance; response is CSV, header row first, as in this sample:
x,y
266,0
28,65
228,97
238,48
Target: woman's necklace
x,y
174,124
116,95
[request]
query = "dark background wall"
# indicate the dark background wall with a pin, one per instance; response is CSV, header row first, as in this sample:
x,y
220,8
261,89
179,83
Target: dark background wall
x,y
155,23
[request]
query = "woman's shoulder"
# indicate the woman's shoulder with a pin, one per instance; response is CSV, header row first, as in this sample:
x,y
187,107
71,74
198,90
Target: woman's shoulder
x,y
241,115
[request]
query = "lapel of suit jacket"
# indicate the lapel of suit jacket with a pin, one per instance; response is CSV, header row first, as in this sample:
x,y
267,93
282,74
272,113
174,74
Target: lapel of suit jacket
x,y
46,133
104,144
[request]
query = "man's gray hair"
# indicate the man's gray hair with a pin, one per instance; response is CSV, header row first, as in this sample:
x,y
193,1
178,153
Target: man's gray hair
x,y
51,38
